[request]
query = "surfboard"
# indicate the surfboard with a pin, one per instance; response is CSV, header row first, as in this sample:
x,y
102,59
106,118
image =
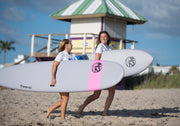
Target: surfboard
x,y
71,76
133,61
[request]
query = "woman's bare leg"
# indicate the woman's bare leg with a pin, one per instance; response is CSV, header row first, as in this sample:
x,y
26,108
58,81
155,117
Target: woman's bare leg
x,y
89,100
109,100
65,99
55,106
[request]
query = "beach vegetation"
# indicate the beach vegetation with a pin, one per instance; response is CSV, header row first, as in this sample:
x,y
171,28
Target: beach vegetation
x,y
155,81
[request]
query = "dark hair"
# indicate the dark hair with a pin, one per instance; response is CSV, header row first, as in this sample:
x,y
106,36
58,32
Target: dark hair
x,y
98,41
62,44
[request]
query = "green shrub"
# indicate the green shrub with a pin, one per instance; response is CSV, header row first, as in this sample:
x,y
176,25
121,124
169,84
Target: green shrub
x,y
154,81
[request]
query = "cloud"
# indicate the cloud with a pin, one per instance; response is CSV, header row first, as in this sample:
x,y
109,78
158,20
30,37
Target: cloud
x,y
51,6
11,34
18,3
18,10
45,6
163,15
13,14
7,31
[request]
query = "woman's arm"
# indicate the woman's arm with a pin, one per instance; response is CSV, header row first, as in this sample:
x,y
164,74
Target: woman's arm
x,y
54,68
97,56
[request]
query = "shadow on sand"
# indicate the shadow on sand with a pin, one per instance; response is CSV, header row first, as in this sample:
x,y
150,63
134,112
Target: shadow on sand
x,y
146,113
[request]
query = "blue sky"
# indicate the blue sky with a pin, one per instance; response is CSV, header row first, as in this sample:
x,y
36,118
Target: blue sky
x,y
160,36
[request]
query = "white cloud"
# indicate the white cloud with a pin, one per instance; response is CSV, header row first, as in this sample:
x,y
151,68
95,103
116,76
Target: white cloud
x,y
157,35
13,14
163,15
8,31
18,10
46,6
11,34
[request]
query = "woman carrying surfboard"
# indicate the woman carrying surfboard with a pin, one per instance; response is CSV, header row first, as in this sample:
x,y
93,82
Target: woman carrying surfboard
x,y
64,54
102,45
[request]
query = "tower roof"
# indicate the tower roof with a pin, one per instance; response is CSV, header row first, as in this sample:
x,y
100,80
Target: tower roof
x,y
98,8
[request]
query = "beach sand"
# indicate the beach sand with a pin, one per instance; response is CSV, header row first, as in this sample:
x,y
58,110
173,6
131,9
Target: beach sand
x,y
160,107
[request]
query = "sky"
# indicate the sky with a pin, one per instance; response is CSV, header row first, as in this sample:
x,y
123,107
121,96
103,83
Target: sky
x,y
160,36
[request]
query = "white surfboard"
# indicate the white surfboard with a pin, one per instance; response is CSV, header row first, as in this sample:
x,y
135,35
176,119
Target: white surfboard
x,y
71,76
133,61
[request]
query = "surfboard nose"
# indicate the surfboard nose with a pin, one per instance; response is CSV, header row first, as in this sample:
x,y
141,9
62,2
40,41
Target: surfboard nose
x,y
148,56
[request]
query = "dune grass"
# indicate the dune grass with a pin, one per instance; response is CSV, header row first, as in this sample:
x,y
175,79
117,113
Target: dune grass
x,y
153,81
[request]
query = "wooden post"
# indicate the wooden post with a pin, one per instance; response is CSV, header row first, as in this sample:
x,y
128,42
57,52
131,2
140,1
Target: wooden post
x,y
67,36
32,45
93,43
57,50
121,44
49,45
132,45
84,44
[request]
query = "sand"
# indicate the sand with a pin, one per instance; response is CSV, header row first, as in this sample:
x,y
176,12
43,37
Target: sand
x,y
160,107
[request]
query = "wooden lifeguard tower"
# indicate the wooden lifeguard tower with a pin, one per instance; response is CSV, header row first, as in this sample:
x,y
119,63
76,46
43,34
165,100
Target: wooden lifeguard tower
x,y
88,18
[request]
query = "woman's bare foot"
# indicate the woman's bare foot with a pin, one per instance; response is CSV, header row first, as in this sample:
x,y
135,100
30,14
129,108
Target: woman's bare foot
x,y
48,112
80,109
63,119
104,114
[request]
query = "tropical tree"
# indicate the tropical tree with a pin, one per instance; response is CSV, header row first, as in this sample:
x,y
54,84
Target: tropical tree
x,y
4,46
174,70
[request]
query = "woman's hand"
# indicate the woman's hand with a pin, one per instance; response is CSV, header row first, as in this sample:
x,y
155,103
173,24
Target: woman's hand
x,y
53,82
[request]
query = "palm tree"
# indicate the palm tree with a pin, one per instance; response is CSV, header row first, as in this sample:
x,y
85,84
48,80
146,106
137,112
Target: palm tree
x,y
4,46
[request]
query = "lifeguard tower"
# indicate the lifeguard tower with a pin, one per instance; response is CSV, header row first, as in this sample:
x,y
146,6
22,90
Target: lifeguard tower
x,y
88,18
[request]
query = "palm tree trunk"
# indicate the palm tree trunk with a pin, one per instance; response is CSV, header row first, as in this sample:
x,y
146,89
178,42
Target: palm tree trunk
x,y
4,57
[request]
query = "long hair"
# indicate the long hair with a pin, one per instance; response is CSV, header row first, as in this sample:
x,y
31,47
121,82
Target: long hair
x,y
62,44
99,41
